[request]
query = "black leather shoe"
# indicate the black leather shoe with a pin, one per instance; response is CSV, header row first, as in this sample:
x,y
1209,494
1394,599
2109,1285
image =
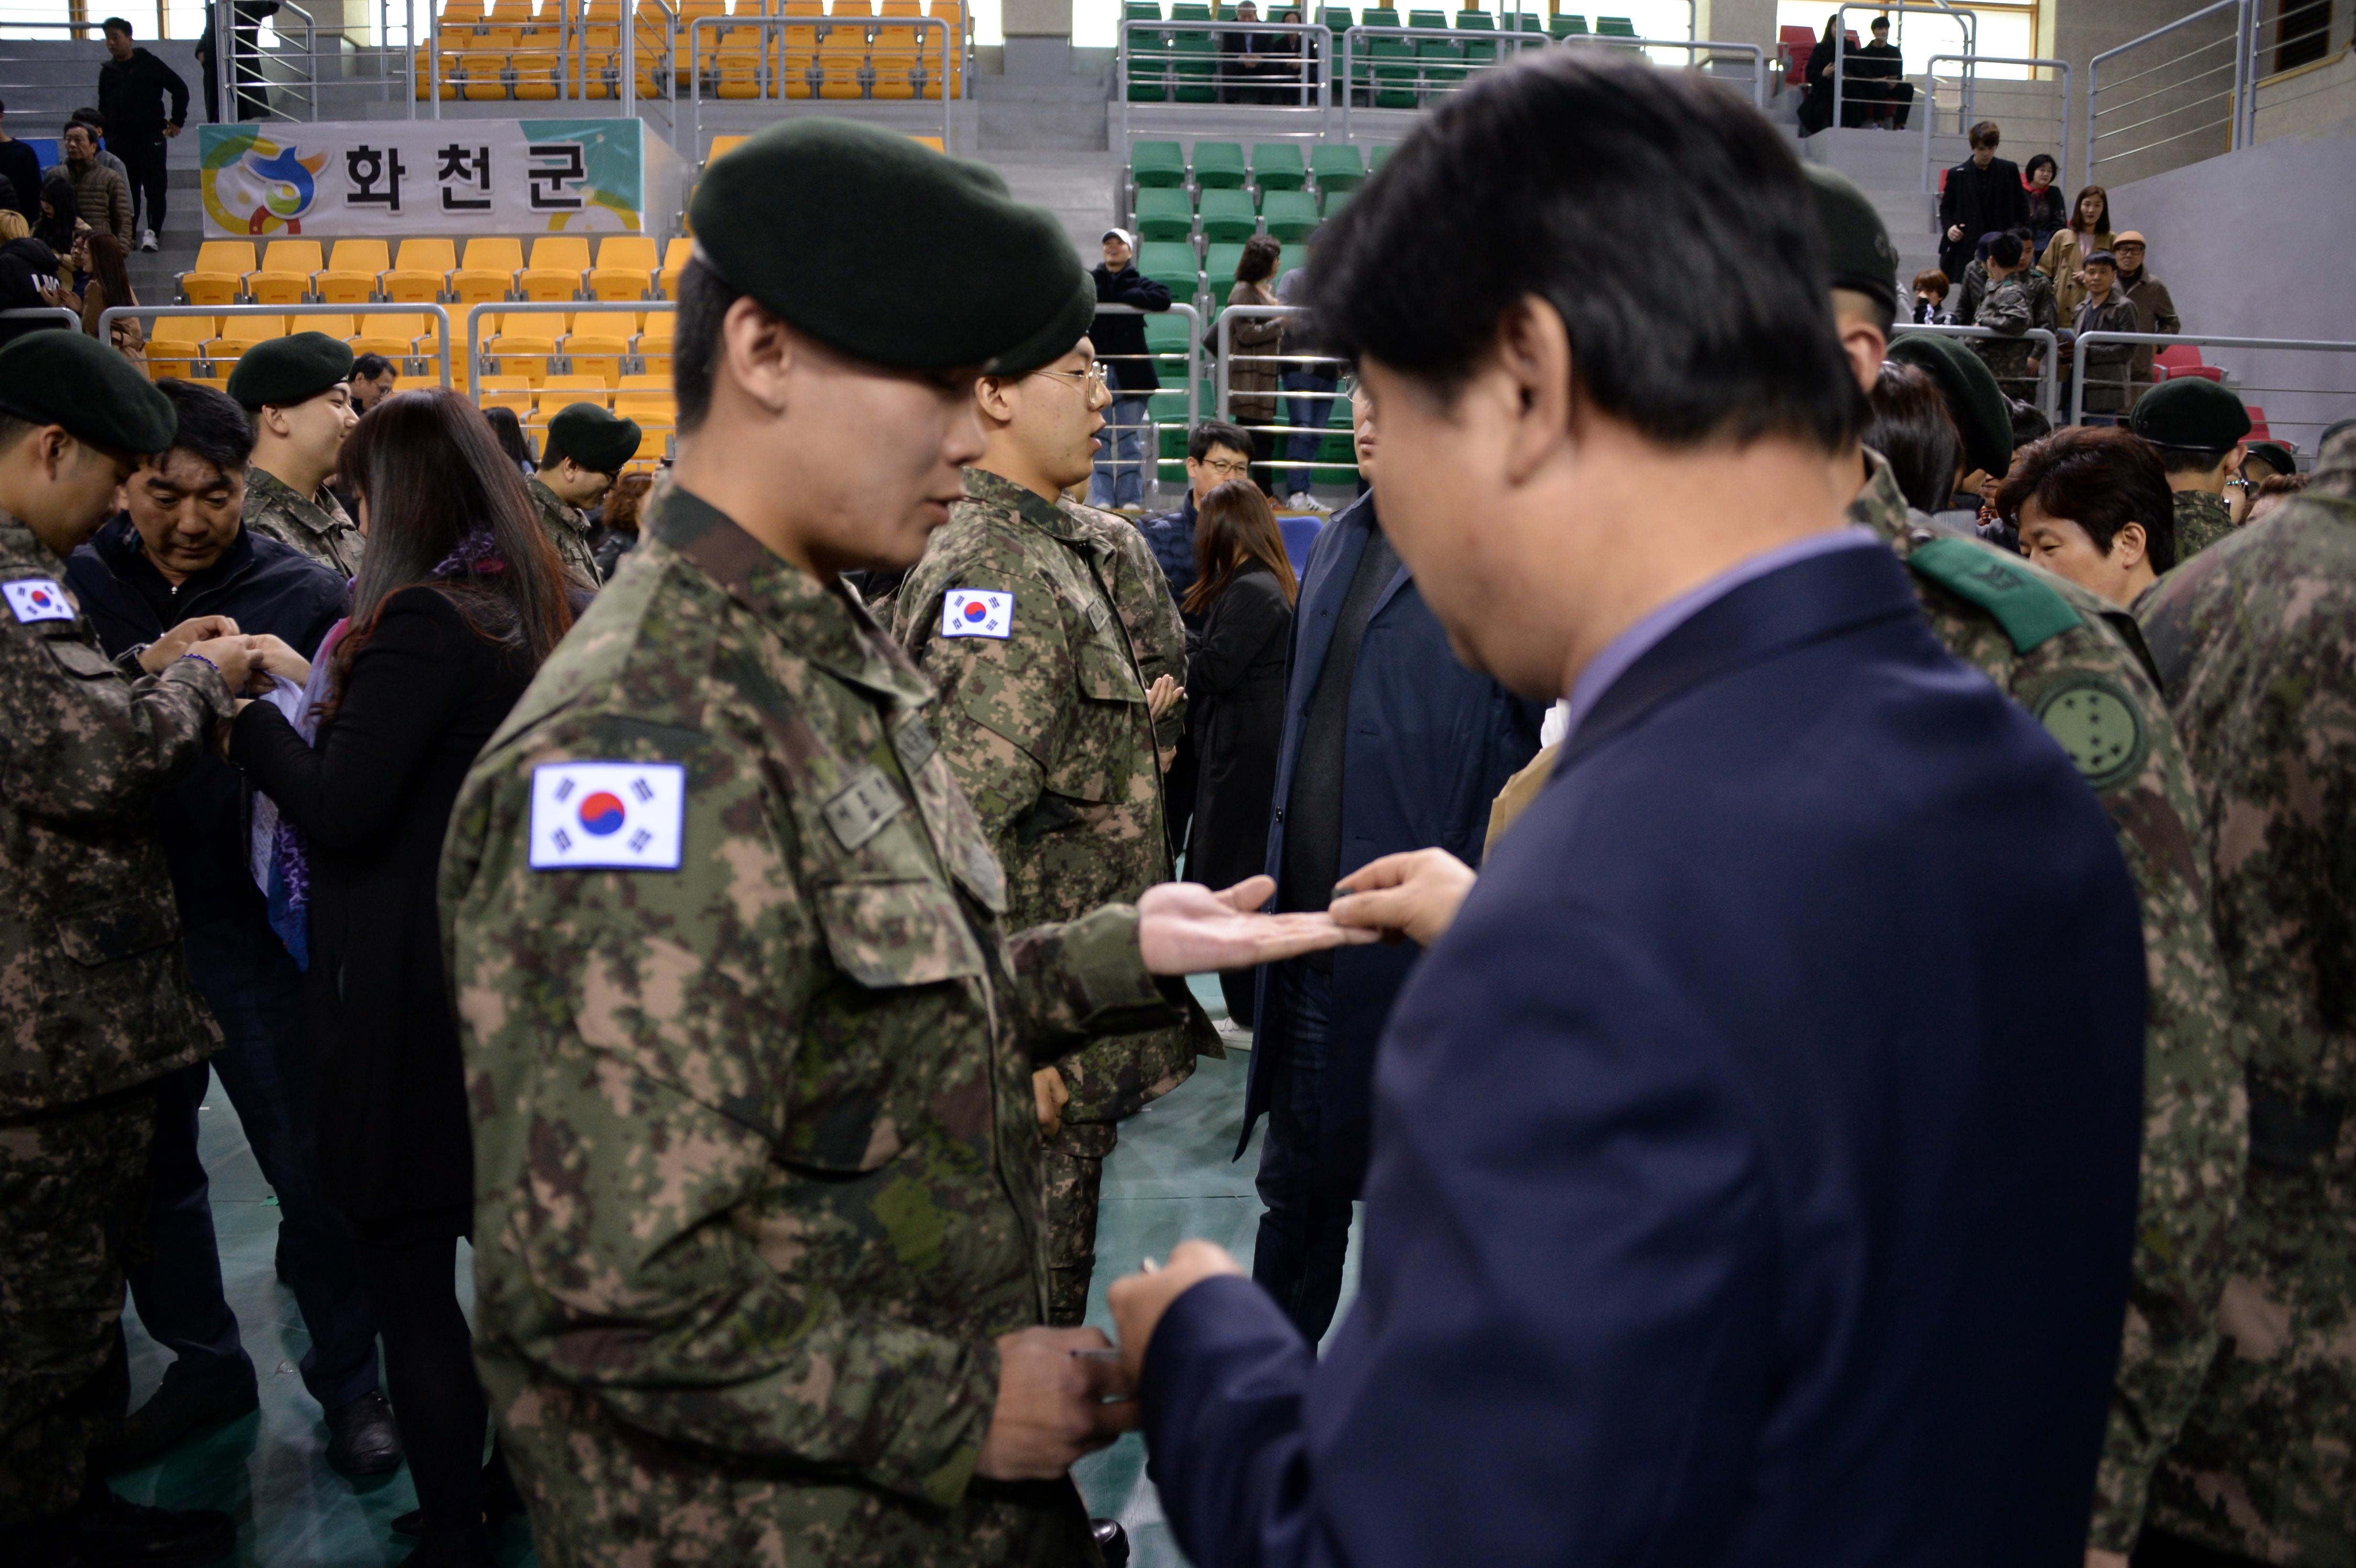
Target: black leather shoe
x,y
473,1548
362,1437
175,1414
1112,1541
111,1531
501,1502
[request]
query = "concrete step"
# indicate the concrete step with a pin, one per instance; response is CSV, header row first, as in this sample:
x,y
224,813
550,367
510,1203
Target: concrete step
x,y
1076,186
1022,126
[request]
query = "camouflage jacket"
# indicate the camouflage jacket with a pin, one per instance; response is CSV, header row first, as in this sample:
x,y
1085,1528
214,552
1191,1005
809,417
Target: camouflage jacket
x,y
2256,641
2065,656
568,530
315,525
756,1152
1156,631
2009,309
1046,727
94,997
2201,519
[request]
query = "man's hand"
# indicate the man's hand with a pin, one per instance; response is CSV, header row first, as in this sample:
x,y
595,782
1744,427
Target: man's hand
x,y
1954,232
1162,696
2098,1558
272,657
1184,928
1047,1089
1138,1301
182,637
226,654
1050,1408
171,129
1414,894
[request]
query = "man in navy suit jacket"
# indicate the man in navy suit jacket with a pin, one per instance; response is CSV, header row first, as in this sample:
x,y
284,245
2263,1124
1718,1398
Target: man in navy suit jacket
x,y
1754,1168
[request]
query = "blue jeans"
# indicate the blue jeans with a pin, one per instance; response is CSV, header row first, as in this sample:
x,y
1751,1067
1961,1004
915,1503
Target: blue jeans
x,y
1120,477
1304,1235
256,993
1310,411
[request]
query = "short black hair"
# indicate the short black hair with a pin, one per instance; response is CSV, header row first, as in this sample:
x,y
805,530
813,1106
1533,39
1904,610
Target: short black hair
x,y
1880,23
1664,219
86,116
704,297
368,367
1914,432
2101,478
2043,160
1985,134
115,25
211,425
2188,459
2005,250
1217,432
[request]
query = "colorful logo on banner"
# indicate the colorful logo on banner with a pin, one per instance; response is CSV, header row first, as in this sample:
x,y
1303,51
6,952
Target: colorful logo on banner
x,y
255,186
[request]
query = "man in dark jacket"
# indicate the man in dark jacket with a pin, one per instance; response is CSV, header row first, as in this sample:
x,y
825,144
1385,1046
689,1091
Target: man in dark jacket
x,y
1390,744
1120,337
21,167
1984,194
132,86
179,551
1216,452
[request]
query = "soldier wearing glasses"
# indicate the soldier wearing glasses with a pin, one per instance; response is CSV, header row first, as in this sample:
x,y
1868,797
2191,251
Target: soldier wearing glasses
x,y
1016,613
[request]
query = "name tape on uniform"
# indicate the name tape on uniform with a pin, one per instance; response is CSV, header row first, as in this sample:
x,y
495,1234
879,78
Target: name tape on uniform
x,y
40,599
626,817
977,613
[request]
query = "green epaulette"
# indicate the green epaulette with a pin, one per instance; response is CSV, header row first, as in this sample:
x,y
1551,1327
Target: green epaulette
x,y
2030,612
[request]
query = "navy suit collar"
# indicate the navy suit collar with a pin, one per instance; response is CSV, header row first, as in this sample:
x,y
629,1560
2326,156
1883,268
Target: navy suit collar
x,y
1820,597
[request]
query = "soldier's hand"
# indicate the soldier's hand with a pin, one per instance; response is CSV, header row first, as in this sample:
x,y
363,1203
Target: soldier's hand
x,y
1047,1089
228,656
1051,1407
1414,894
1138,1301
182,637
2098,1558
272,657
1162,696
1184,928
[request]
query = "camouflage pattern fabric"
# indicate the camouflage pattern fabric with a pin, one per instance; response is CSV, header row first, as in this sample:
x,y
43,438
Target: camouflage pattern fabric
x,y
756,1157
316,525
568,529
2089,685
2009,309
1046,729
94,997
1157,632
73,1204
2256,641
2201,519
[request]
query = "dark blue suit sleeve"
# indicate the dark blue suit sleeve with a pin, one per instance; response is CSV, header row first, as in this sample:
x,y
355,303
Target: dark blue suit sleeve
x,y
1562,1350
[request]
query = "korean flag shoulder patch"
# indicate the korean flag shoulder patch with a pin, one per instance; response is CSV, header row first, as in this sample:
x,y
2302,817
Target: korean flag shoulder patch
x,y
34,598
626,817
977,613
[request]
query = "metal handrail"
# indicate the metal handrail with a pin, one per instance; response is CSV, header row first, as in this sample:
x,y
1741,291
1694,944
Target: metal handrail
x,y
2048,382
106,318
35,312
769,25
2197,340
475,354
1698,52
1969,18
1930,100
1124,56
1193,349
2240,124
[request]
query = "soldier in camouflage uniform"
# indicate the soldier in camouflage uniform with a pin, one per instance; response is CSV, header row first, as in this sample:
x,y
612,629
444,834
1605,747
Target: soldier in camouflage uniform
x,y
2009,309
297,391
2256,643
583,452
2201,431
749,1044
1055,742
95,1002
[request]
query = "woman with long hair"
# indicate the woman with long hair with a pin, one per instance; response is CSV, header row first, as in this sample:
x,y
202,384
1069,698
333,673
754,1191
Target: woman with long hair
x,y
2064,261
99,257
457,604
1815,110
61,215
1243,594
1253,372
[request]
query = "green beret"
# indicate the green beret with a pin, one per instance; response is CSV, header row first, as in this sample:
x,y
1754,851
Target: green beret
x,y
1969,388
2273,454
1051,342
887,250
289,370
592,438
2190,412
1857,251
61,376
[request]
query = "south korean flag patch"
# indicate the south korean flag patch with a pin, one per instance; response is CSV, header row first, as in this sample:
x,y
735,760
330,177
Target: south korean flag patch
x,y
624,817
40,599
977,613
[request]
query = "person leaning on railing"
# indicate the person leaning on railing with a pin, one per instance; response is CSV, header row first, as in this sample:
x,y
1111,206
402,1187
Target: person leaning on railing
x,y
2104,367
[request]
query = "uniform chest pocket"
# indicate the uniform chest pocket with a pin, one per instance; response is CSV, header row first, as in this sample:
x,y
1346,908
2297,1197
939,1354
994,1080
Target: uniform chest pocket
x,y
1101,746
887,934
79,659
109,933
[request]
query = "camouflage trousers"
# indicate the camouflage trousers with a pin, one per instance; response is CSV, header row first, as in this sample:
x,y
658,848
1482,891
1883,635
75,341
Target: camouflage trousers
x,y
73,1204
2265,1465
1071,1169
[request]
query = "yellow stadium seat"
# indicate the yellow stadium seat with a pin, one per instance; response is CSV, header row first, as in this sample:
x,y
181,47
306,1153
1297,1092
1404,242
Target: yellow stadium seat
x,y
421,274
535,74
525,344
901,9
599,343
238,332
352,272
505,392
284,277
486,71
462,13
626,268
676,256
559,392
488,271
602,14
509,14
451,73
219,273
176,344
738,65
894,62
863,9
798,59
557,263
392,333
336,327
840,55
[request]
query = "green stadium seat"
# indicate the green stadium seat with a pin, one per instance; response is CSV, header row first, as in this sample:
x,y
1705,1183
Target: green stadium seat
x,y
1276,166
1338,167
1334,18
1437,19
1442,61
1335,201
1380,155
1614,27
1228,215
1157,164
1194,68
1336,451
1149,69
1167,409
1218,165
1164,213
1292,214
1166,333
1381,17
1475,21
1189,11
1395,72
1219,263
1171,262
1566,25
1140,10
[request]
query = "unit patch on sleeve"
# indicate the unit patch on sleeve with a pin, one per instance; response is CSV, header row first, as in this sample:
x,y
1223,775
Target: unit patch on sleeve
x,y
628,816
977,613
40,599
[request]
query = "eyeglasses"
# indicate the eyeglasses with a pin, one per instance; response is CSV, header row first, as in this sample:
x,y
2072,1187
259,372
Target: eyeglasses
x,y
1226,470
1092,379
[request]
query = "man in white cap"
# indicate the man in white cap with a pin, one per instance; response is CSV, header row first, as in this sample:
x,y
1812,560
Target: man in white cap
x,y
1120,349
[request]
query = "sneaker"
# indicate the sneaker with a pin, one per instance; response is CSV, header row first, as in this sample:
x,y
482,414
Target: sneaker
x,y
147,240
1302,501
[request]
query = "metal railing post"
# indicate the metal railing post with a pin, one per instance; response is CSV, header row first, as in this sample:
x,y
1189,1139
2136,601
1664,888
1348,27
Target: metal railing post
x,y
2047,379
1965,18
1930,103
108,317
65,318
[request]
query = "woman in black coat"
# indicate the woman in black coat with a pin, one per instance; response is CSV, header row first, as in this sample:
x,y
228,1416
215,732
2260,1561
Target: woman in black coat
x,y
1243,593
458,600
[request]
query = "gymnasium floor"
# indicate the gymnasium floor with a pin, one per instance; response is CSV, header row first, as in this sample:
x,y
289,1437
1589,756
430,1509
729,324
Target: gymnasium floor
x,y
1170,1178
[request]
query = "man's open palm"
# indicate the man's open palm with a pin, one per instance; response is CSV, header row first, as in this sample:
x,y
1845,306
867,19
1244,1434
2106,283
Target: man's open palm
x,y
1184,928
